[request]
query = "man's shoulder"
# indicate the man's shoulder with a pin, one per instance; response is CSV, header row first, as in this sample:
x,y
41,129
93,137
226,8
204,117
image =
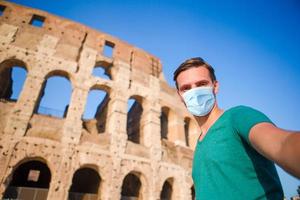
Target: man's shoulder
x,y
240,108
244,113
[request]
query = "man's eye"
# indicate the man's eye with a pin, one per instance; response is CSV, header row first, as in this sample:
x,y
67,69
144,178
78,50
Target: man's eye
x,y
202,84
185,89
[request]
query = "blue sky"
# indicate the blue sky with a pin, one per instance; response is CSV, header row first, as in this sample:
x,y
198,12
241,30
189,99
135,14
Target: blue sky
x,y
254,46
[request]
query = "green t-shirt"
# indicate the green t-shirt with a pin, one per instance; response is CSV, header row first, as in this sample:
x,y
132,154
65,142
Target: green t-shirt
x,y
225,164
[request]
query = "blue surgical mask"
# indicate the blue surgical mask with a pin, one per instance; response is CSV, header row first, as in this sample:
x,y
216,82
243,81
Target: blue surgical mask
x,y
199,101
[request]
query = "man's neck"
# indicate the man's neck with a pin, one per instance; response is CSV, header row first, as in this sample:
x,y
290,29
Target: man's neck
x,y
206,122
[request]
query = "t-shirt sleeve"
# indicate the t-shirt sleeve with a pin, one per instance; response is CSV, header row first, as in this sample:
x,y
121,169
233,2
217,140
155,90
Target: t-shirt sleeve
x,y
245,118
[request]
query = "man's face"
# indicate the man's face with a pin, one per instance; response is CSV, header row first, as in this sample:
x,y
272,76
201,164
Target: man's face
x,y
194,77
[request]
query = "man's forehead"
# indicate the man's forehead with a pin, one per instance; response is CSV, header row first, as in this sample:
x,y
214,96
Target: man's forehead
x,y
194,73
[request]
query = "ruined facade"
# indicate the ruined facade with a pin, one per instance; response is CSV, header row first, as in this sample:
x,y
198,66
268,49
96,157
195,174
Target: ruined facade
x,y
144,152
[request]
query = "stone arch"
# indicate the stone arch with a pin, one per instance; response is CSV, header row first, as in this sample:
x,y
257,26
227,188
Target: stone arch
x,y
164,122
134,124
187,124
167,189
102,69
9,62
193,193
21,153
134,186
62,104
2,9
168,123
58,72
96,109
173,176
104,87
143,172
102,165
190,185
12,72
30,178
86,183
62,73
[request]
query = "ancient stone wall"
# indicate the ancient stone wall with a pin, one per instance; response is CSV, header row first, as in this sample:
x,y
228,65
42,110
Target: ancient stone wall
x,y
63,152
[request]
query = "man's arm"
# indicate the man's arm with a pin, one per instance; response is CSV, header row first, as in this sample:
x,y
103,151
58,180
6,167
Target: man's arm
x,y
280,146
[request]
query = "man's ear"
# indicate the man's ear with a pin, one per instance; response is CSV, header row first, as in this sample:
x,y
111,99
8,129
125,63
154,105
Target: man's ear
x,y
216,87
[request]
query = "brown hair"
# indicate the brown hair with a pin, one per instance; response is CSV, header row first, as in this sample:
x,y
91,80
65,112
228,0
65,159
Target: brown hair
x,y
194,62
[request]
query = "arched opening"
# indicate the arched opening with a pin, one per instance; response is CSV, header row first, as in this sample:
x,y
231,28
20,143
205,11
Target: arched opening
x,y
85,184
164,122
55,96
131,187
2,9
167,190
12,77
96,109
187,131
134,117
30,180
102,70
193,193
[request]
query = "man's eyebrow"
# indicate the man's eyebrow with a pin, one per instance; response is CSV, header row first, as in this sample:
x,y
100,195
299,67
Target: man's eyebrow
x,y
202,81
184,86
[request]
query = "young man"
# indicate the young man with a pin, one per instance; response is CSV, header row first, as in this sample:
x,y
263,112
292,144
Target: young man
x,y
236,148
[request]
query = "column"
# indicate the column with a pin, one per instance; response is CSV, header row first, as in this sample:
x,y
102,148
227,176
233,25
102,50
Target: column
x,y
20,115
73,122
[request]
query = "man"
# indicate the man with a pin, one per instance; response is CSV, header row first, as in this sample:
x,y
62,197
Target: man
x,y
236,149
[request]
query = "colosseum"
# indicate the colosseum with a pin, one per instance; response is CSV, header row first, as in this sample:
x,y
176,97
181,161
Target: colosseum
x,y
140,151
